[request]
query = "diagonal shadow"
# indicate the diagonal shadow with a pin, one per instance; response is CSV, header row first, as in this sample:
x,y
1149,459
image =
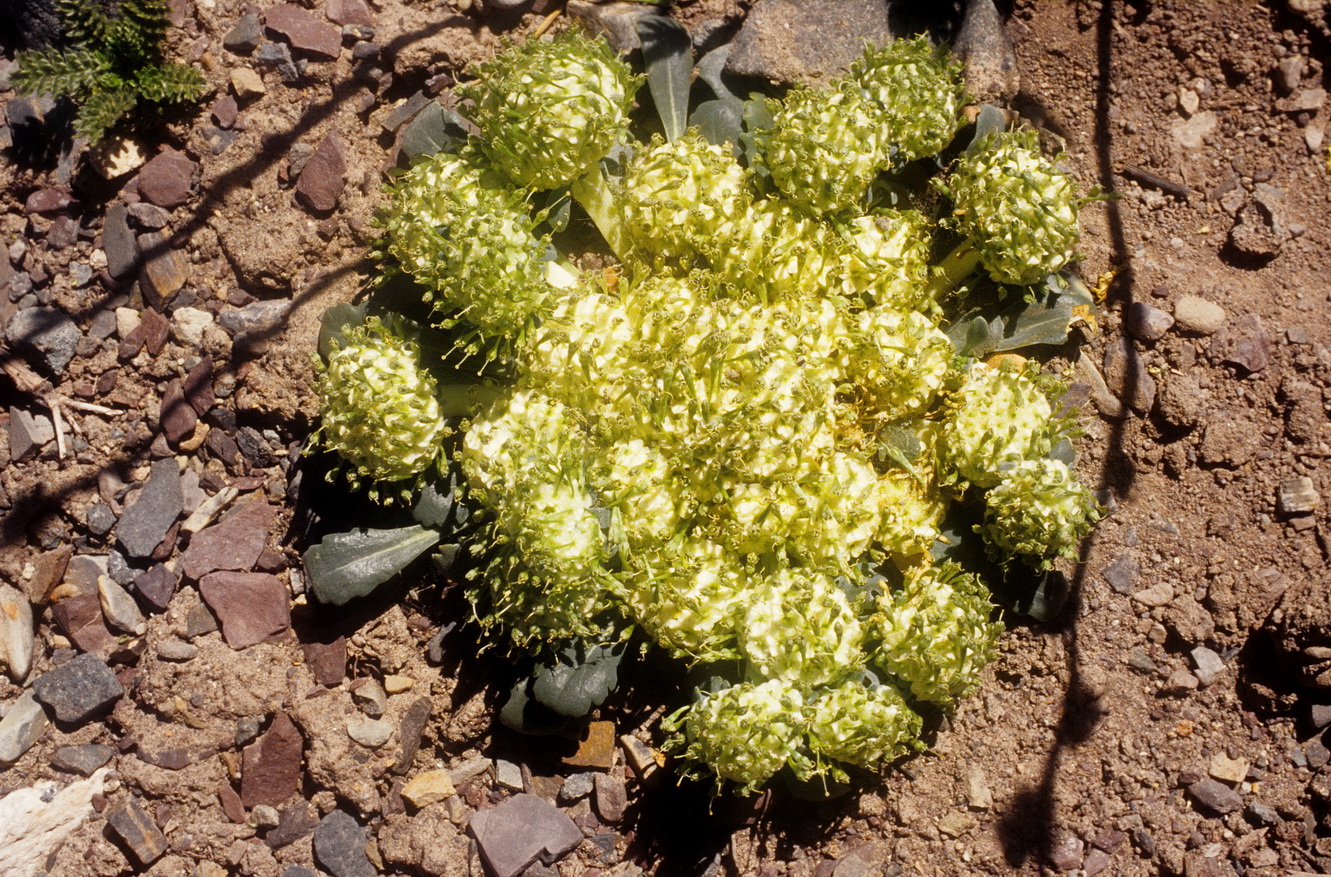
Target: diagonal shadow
x,y
1028,828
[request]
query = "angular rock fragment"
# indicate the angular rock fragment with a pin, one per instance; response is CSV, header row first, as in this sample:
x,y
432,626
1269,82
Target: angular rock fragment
x,y
520,831
137,831
78,689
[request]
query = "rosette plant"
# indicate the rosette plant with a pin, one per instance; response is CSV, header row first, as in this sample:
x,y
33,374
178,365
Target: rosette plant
x,y
760,439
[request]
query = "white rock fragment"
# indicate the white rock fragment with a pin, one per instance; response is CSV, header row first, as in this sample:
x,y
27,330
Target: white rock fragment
x,y
119,607
34,822
16,633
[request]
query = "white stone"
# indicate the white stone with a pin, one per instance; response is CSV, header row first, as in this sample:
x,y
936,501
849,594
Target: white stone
x,y
370,733
116,157
188,325
127,320
1195,314
1193,133
34,822
23,725
119,607
16,633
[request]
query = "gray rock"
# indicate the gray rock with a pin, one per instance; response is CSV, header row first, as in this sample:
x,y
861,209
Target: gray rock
x,y
509,775
16,633
199,621
82,760
1198,316
297,821
984,47
794,41
1289,73
370,733
144,523
339,846
100,519
79,689
409,734
28,433
48,333
135,827
520,831
278,56
148,216
1148,323
1262,814
1215,797
22,726
176,650
256,318
119,608
370,696
1122,574
576,787
1126,374
298,871
611,797
119,242
245,36
1210,666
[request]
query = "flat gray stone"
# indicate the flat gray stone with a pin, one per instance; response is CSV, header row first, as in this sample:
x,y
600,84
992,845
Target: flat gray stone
x,y
1215,797
82,760
520,831
79,689
143,525
1210,666
48,333
22,726
1122,574
245,36
796,41
339,846
119,243
28,433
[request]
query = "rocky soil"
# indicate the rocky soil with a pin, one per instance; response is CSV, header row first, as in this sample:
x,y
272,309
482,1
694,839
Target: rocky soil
x,y
176,705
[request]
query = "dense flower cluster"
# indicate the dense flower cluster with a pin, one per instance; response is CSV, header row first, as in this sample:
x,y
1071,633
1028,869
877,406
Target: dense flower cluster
x,y
742,442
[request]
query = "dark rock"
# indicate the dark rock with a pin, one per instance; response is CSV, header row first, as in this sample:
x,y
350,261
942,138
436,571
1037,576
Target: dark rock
x,y
270,772
100,519
166,180
23,725
79,689
982,44
296,822
223,447
251,606
148,216
1126,375
156,586
1148,323
297,870
1215,797
1122,574
795,41
1109,840
339,846
327,660
234,543
255,447
164,269
225,111
611,798
1262,814
51,202
1096,862
520,831
48,333
82,760
1320,715
156,329
177,418
198,386
1065,853
303,31
278,56
28,434
118,569
231,804
63,233
199,621
258,318
152,513
1244,343
321,180
137,831
218,139
79,618
346,12
413,725
167,758
244,38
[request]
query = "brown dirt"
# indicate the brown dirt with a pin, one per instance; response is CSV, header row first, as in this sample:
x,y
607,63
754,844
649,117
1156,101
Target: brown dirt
x,y
1079,750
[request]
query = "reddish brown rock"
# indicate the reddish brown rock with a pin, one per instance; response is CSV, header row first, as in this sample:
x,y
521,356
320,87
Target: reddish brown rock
x,y
164,269
322,178
80,618
198,386
156,329
177,417
233,543
49,202
167,179
350,12
303,31
155,586
270,767
231,804
327,660
250,606
225,110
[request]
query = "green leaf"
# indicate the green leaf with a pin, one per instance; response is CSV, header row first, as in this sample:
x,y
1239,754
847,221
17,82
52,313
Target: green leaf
x,y
719,121
439,505
972,337
527,715
667,53
103,109
1024,323
334,324
1041,595
58,72
710,68
592,190
1064,452
432,130
170,83
464,400
990,120
353,564
578,679
900,445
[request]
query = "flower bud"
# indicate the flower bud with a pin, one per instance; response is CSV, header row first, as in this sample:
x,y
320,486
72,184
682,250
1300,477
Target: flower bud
x,y
1039,511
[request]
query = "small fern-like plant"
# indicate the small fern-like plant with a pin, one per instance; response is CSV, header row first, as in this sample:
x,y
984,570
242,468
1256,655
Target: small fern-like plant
x,y
111,62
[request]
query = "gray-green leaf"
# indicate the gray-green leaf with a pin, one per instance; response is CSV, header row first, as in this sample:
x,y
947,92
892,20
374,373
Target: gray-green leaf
x,y
353,564
667,53
720,122
433,130
334,324
579,679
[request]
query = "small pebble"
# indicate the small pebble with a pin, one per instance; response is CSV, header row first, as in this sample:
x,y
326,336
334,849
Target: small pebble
x,y
1198,316
176,650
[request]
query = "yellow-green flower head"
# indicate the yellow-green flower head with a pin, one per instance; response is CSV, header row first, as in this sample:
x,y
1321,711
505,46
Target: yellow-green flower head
x,y
887,260
686,596
469,244
865,726
915,95
779,252
578,354
799,628
548,110
379,406
935,633
1039,511
911,513
999,417
1020,210
525,463
823,149
901,361
743,734
680,199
